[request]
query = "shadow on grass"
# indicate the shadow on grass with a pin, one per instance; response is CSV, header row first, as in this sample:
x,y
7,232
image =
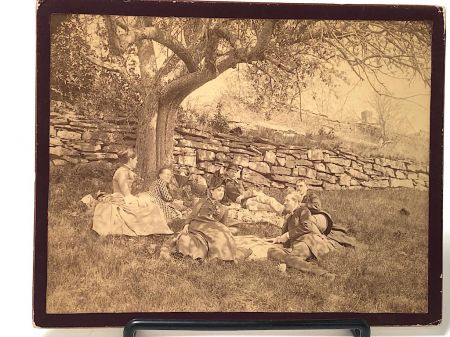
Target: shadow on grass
x,y
387,273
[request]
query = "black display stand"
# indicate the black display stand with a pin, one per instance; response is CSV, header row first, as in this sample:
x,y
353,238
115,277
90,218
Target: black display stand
x,y
359,328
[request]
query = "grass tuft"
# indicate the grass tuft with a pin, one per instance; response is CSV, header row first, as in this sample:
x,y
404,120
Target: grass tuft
x,y
92,274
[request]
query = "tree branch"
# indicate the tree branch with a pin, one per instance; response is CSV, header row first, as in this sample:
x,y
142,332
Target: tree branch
x,y
257,53
345,58
184,85
210,54
279,64
107,65
154,33
167,67
119,23
227,36
263,39
113,38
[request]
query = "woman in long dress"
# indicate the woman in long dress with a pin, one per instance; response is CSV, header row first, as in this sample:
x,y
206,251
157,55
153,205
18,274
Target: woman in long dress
x,y
122,213
159,194
205,236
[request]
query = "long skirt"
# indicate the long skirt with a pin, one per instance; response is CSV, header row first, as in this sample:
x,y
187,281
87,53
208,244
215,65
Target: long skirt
x,y
167,209
113,217
207,240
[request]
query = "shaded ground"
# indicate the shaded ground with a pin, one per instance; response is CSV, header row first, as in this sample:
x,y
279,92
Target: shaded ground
x,y
388,273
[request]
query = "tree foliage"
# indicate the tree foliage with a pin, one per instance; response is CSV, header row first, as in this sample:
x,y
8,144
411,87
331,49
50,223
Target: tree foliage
x,y
151,64
287,50
78,77
371,51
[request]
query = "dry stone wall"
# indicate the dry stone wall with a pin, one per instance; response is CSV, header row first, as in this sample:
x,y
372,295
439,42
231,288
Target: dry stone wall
x,y
76,138
80,138
278,166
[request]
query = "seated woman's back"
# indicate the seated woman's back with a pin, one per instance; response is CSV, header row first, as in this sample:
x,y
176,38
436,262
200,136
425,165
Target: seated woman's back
x,y
122,180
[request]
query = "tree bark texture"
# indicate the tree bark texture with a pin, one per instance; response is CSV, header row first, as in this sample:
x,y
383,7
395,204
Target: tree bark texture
x,y
146,138
158,116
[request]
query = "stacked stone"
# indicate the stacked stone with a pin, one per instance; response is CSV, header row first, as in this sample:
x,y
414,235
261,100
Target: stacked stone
x,y
76,138
278,166
80,138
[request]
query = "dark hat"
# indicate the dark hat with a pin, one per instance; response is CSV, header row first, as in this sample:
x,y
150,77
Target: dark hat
x,y
216,181
233,167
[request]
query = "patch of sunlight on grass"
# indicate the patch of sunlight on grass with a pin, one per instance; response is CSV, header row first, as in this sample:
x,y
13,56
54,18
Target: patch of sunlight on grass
x,y
386,273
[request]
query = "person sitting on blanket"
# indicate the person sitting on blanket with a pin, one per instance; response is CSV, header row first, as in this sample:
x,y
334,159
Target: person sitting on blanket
x,y
205,235
307,197
159,193
311,200
253,199
305,237
121,212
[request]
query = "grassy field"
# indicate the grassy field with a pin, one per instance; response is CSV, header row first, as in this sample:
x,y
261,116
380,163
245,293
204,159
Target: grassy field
x,y
386,273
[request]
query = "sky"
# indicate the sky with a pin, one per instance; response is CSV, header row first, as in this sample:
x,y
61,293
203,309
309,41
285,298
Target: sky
x,y
344,103
347,103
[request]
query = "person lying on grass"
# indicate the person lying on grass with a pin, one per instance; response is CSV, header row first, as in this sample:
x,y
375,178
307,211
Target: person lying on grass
x,y
122,213
205,235
306,237
253,199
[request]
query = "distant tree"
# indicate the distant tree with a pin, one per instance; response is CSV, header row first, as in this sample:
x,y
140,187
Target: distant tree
x,y
175,56
387,111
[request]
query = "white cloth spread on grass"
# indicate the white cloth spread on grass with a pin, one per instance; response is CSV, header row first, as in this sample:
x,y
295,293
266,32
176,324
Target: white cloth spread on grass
x,y
258,246
239,214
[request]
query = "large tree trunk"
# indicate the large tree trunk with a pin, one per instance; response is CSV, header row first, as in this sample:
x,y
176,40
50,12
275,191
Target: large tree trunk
x,y
157,119
155,137
164,131
146,138
157,123
156,133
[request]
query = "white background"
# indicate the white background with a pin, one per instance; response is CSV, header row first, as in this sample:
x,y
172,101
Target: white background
x,y
17,78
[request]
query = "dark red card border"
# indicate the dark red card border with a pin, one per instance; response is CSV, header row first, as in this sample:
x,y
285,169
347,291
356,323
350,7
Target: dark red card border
x,y
240,10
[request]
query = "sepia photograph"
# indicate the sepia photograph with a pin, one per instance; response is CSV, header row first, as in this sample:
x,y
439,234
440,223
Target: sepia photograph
x,y
238,165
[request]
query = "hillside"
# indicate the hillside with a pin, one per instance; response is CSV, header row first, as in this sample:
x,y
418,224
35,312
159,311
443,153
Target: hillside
x,y
330,116
285,126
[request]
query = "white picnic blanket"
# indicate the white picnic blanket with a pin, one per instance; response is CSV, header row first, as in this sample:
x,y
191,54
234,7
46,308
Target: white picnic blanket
x,y
258,246
239,214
